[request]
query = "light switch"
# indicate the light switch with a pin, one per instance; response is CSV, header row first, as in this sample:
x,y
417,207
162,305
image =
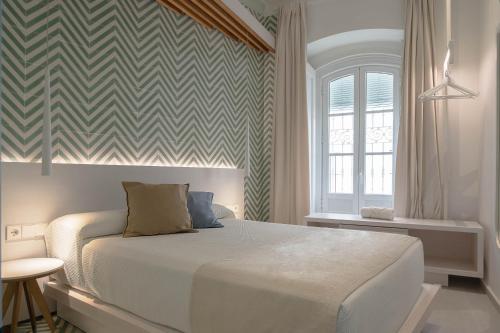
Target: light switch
x,y
13,233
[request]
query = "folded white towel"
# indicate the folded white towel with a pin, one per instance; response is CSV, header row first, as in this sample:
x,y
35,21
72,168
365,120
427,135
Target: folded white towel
x,y
378,213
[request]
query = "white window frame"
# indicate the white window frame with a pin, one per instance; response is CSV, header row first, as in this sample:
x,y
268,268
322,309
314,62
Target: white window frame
x,y
396,110
360,64
325,82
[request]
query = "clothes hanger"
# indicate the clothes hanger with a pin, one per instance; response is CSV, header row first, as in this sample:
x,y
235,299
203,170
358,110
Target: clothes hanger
x,y
463,93
431,94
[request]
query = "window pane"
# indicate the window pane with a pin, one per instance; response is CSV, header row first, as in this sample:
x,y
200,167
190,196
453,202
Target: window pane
x,y
378,174
341,133
379,132
379,91
341,92
341,174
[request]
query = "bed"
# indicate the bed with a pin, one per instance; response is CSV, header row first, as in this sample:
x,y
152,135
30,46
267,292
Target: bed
x,y
225,279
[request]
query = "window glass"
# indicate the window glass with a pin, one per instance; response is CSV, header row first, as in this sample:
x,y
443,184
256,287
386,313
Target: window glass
x,y
379,91
341,173
379,132
378,174
341,93
341,134
379,123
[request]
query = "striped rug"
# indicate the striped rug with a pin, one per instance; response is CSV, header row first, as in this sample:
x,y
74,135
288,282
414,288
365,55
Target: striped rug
x,y
42,327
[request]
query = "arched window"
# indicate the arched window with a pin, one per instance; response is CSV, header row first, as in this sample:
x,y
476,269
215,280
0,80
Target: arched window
x,y
358,121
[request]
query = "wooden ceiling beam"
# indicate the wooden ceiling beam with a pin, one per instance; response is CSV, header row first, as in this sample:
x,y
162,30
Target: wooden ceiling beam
x,y
171,7
238,21
187,8
215,19
226,24
215,14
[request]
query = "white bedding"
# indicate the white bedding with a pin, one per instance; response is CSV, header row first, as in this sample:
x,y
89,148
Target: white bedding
x,y
152,276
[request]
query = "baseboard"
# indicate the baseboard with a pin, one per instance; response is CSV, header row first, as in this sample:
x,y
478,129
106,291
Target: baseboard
x,y
494,298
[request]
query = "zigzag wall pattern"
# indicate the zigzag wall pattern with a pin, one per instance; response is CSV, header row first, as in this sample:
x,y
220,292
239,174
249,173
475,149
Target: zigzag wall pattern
x,y
257,189
134,83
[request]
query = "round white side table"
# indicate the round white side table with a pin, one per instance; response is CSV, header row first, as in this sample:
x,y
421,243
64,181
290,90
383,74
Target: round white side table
x,y
22,274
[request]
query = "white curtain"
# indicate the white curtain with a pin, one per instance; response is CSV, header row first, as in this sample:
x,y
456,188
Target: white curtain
x,y
290,152
419,183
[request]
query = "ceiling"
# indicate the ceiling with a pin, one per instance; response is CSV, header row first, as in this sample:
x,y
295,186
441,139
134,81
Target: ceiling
x,y
353,37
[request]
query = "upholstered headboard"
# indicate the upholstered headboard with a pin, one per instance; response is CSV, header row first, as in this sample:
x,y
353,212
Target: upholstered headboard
x,y
29,198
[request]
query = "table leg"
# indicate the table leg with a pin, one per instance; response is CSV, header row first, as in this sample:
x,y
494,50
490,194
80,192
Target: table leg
x,y
17,306
29,303
35,291
7,297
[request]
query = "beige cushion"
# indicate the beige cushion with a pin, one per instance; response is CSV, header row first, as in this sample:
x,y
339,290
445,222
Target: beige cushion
x,y
156,209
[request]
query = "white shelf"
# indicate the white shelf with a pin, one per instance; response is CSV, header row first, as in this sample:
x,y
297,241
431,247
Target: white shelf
x,y
451,247
398,222
450,266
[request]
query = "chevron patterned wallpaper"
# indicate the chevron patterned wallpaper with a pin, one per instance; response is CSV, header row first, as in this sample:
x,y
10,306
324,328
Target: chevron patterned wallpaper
x,y
134,83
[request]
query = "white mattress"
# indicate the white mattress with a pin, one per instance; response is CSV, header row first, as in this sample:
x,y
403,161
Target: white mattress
x,y
152,276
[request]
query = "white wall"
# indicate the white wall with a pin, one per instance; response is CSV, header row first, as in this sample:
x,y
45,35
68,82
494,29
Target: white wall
x,y
472,127
464,117
489,24
329,17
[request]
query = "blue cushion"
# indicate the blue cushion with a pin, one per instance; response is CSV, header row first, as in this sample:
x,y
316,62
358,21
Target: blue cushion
x,y
200,207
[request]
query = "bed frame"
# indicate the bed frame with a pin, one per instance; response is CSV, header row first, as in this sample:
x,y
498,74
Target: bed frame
x,y
92,315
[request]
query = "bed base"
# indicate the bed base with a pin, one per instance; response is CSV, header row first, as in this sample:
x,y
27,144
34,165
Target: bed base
x,y
418,316
94,316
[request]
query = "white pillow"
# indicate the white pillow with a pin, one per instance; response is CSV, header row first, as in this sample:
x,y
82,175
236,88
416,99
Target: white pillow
x,y
66,236
222,212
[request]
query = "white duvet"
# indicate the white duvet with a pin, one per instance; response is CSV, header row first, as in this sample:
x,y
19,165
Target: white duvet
x,y
152,276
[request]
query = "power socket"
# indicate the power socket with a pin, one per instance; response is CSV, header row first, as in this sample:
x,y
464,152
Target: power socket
x,y
13,233
236,209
